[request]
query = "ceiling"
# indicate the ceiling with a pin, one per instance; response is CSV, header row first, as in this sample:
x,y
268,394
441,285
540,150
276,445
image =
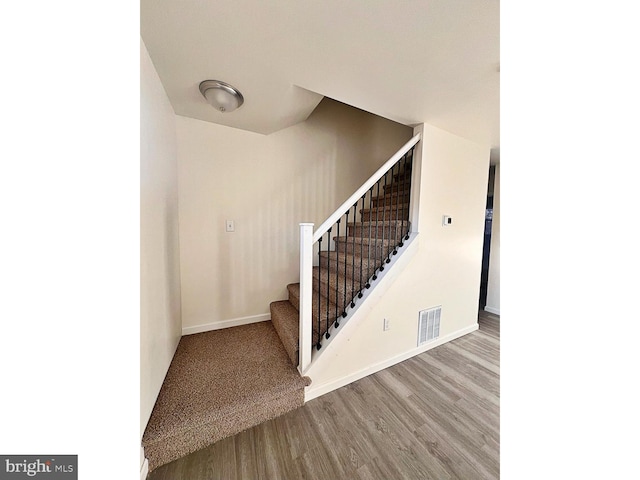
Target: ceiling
x,y
412,61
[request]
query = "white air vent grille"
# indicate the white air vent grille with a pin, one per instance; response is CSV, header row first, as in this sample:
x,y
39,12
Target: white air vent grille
x,y
429,324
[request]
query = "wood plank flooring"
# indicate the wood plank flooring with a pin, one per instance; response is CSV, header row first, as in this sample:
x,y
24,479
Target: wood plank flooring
x,y
434,416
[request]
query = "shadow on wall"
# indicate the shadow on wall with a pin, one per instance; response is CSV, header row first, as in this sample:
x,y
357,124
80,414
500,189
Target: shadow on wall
x,y
268,185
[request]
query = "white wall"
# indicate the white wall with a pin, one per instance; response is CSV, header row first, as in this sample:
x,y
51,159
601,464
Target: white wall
x,y
267,185
445,269
160,323
493,286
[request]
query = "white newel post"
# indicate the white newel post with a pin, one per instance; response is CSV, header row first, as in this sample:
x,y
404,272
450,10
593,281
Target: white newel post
x,y
306,294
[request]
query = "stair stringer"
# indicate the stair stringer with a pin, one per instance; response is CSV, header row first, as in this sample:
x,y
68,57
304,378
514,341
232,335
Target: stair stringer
x,y
341,336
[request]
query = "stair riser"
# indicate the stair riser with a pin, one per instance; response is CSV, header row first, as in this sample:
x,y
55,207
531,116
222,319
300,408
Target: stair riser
x,y
337,284
278,324
352,265
295,301
393,233
337,297
386,214
391,200
402,177
378,252
396,186
340,302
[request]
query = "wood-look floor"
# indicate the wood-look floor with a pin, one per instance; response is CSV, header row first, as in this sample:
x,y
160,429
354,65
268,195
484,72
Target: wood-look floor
x,y
434,416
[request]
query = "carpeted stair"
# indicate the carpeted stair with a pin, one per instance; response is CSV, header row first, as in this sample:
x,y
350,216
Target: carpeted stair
x,y
338,276
219,384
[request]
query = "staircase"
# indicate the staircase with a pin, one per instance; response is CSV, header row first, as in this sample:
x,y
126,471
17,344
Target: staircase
x,y
344,271
224,381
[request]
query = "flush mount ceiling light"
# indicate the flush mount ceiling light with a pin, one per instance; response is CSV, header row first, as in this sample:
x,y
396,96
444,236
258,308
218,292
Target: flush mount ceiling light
x,y
222,96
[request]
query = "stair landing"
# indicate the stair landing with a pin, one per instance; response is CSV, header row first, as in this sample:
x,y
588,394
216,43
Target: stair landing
x,y
219,384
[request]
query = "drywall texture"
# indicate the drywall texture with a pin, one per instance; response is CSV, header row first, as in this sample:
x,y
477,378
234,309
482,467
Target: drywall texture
x,y
493,286
160,323
267,185
444,271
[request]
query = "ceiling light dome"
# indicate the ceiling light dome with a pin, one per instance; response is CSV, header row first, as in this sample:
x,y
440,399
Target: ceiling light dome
x,y
222,96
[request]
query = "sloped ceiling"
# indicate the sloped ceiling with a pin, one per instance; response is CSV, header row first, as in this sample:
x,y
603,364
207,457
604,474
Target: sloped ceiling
x,y
412,61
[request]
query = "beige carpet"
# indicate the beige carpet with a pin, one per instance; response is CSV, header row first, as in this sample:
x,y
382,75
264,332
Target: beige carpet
x,y
219,384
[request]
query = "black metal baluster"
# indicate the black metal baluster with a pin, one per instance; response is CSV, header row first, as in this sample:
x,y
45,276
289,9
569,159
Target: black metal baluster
x,y
346,239
407,186
411,165
384,211
353,257
395,222
404,185
388,258
361,246
375,252
327,334
368,285
318,346
337,276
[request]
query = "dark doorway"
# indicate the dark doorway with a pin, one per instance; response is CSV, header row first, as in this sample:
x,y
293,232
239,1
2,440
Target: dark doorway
x,y
488,218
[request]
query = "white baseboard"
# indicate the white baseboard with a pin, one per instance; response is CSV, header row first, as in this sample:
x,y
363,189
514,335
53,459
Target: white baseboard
x,y
495,311
234,322
144,470
314,391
